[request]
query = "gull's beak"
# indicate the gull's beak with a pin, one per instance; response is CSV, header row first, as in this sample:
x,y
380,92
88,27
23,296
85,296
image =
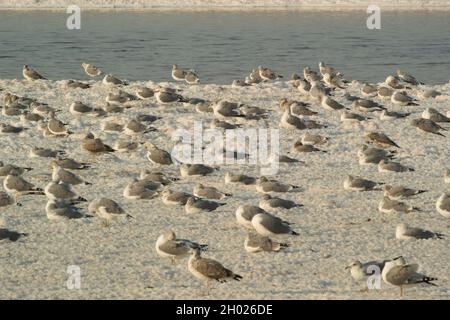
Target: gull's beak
x,y
396,258
347,267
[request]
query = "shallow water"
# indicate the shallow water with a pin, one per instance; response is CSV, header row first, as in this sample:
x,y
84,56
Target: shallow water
x,y
225,46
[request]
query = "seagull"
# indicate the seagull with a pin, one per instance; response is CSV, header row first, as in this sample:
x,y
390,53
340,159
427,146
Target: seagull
x,y
299,148
365,105
195,170
91,70
239,178
156,155
141,189
255,243
402,99
399,192
195,205
167,245
209,269
349,116
109,79
266,74
265,185
166,96
211,193
434,115
30,74
157,176
178,74
407,78
369,90
268,225
398,274
245,213
62,175
145,93
77,84
380,139
107,209
403,232
427,126
391,166
191,77
78,108
330,104
387,205
269,203
71,164
11,169
352,183
392,115
369,155
361,272
170,197
443,205
60,191
16,186
61,211
385,93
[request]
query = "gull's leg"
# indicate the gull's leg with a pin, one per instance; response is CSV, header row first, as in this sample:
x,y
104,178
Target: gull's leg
x,y
401,291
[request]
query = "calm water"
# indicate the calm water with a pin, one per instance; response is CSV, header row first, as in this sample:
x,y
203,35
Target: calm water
x,y
225,46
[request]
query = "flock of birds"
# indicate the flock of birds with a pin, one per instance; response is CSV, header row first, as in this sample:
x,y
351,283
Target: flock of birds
x,y
317,88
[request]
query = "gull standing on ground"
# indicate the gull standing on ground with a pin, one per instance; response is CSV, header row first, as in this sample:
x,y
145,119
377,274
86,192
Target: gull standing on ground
x,y
91,70
167,245
360,272
177,73
398,274
208,269
191,77
30,74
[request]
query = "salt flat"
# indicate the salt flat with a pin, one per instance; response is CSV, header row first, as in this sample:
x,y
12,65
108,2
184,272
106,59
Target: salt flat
x,y
336,227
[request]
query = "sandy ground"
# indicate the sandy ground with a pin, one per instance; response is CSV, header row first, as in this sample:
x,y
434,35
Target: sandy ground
x,y
227,4
120,261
